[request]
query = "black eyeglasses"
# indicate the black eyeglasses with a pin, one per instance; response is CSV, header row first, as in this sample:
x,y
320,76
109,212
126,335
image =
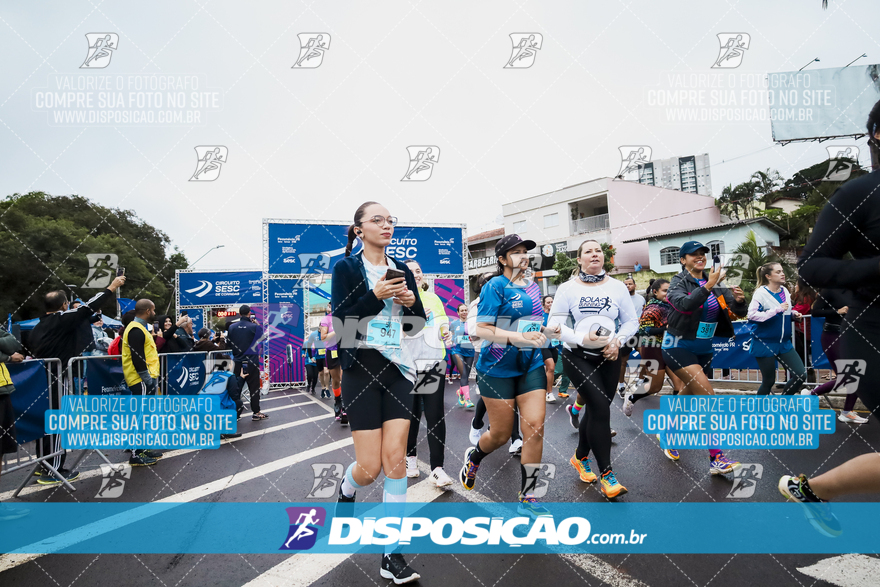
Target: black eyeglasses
x,y
380,220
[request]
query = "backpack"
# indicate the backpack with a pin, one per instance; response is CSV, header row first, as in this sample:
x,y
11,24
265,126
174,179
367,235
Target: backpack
x,y
217,384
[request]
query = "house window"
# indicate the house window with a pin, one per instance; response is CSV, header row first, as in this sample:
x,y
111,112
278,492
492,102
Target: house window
x,y
519,227
715,247
551,220
669,256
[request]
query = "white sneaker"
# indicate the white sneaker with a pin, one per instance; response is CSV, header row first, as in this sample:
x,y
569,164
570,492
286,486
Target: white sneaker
x,y
515,447
412,467
440,478
806,392
551,399
475,434
627,407
621,389
852,418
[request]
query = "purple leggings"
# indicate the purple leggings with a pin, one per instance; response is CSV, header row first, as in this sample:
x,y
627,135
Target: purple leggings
x,y
831,346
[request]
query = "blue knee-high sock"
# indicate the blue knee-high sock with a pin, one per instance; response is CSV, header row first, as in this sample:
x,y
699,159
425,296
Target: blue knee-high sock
x,y
394,497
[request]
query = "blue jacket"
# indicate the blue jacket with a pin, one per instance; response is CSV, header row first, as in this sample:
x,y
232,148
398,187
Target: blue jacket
x,y
353,303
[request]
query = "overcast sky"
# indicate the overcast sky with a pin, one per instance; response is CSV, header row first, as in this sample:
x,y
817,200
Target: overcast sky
x,y
315,143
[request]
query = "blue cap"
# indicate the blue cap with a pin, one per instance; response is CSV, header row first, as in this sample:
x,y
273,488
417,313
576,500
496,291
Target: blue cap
x,y
691,247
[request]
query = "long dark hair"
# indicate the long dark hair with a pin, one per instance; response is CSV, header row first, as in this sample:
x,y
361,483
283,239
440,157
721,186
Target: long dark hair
x,y
358,218
803,292
653,287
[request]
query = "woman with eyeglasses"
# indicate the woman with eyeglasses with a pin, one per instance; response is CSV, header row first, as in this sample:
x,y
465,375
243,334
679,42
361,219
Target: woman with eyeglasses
x,y
377,294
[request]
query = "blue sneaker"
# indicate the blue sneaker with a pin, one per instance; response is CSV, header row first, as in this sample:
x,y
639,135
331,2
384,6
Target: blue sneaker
x,y
818,513
529,506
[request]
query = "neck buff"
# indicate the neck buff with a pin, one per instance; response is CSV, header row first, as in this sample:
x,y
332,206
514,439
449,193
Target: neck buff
x,y
587,278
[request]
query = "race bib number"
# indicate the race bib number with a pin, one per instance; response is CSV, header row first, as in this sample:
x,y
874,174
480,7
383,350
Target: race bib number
x,y
333,354
321,352
706,329
383,333
463,340
524,326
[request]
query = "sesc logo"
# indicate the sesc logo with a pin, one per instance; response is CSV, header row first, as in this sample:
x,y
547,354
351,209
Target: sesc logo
x,y
303,531
203,289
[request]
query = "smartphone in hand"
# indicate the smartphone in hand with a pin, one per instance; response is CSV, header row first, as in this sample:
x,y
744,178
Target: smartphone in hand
x,y
393,274
120,271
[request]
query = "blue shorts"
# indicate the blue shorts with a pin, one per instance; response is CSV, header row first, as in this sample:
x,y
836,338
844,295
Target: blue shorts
x,y
677,358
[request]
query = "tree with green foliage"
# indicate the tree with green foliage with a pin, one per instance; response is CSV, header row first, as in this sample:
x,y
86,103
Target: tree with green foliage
x,y
757,256
44,241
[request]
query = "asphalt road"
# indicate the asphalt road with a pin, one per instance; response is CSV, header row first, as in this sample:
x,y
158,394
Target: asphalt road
x,y
248,469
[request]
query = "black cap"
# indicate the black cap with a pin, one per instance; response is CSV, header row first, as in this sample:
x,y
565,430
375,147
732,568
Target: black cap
x,y
691,247
510,241
244,310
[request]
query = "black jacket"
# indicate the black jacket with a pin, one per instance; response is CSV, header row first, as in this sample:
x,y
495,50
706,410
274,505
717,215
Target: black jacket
x,y
849,223
687,297
57,335
353,303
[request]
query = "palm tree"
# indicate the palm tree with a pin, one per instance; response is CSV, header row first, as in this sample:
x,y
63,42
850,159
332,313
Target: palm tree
x,y
766,183
756,256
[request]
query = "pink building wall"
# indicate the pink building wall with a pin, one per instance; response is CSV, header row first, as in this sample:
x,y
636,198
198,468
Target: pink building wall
x,y
636,210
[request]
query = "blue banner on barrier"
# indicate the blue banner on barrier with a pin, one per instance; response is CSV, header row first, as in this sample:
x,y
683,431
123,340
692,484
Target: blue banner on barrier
x,y
315,248
320,527
30,399
734,353
186,373
220,288
104,376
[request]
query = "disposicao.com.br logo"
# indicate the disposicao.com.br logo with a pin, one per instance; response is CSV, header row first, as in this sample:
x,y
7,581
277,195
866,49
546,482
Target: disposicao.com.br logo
x,y
474,531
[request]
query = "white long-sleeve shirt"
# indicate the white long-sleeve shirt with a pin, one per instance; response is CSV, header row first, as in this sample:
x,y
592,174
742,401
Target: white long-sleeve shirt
x,y
576,300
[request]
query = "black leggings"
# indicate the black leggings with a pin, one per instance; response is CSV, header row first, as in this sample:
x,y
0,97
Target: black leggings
x,y
480,414
430,401
596,381
467,364
860,340
311,377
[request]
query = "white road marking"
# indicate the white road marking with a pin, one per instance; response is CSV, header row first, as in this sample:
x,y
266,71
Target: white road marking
x,y
89,531
849,570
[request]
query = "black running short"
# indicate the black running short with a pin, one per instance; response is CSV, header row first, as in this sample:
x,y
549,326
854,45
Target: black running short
x,y
551,352
332,359
319,362
375,391
677,359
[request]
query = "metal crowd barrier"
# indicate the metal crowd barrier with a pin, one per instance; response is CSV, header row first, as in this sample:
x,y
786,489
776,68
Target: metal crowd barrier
x,y
56,388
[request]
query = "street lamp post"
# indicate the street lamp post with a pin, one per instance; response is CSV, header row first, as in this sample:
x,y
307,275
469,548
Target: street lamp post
x,y
856,59
816,59
168,307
